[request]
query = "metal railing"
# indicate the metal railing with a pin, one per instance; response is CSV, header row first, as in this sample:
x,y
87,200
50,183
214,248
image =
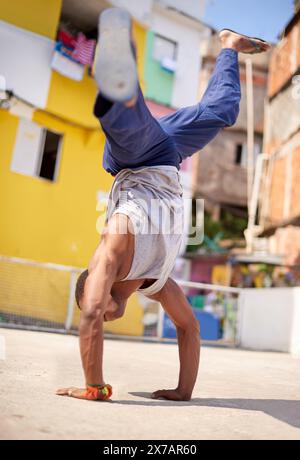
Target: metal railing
x,y
41,296
37,295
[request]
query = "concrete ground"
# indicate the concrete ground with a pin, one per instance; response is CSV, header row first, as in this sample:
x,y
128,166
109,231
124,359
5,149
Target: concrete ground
x,y
239,394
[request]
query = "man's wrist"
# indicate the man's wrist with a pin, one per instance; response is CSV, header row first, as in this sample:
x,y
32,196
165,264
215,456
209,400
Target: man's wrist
x,y
96,392
95,385
185,395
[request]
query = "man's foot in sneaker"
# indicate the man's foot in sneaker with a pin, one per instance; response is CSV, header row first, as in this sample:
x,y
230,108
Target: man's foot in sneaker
x,y
115,67
242,43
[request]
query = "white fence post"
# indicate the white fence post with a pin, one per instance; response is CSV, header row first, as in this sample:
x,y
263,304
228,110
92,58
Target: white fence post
x,y
70,311
160,322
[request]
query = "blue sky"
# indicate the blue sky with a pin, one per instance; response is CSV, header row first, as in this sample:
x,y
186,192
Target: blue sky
x,y
263,18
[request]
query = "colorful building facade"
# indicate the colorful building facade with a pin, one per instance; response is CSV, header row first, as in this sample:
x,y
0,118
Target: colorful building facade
x,y
47,219
280,188
52,184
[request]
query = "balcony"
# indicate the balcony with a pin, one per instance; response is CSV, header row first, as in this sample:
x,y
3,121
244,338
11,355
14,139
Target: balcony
x,y
84,15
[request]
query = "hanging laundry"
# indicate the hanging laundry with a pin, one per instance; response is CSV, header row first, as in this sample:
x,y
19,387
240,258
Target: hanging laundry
x,y
66,51
84,50
67,39
63,63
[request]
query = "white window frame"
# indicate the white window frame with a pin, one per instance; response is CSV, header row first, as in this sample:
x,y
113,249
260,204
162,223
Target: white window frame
x,y
18,164
243,162
159,58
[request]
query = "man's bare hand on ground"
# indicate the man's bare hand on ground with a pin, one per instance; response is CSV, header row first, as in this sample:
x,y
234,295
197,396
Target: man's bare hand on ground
x,y
171,395
79,393
91,393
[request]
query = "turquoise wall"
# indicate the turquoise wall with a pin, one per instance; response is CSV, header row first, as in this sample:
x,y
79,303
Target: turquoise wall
x,y
158,82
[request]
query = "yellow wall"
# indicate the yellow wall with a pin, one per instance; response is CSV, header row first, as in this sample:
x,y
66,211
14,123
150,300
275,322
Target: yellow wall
x,y
35,292
39,16
52,222
46,221
42,294
56,222
73,100
140,37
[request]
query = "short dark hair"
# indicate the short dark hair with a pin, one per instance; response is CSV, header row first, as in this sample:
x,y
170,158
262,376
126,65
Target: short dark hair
x,y
80,286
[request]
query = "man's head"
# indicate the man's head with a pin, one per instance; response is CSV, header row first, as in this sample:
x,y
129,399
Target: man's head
x,y
80,287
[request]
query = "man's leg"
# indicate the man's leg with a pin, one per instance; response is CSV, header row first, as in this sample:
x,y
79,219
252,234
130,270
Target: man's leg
x,y
134,137
102,106
194,127
116,47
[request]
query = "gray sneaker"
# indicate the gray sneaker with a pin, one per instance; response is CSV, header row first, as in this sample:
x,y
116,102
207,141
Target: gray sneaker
x,y
115,67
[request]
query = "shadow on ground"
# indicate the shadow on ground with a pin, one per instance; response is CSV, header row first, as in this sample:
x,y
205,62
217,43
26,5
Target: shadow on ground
x,y
287,411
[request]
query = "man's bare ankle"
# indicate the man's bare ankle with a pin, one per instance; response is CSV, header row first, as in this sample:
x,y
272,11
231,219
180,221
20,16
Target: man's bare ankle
x,y
229,40
131,103
229,44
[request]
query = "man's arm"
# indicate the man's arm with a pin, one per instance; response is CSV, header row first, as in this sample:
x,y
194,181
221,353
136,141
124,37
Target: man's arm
x,y
97,293
93,307
111,262
177,307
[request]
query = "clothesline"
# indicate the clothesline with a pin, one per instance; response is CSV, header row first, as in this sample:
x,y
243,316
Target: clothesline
x,y
81,49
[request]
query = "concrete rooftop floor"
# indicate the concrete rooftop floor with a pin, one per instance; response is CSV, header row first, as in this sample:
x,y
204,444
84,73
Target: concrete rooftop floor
x,y
239,394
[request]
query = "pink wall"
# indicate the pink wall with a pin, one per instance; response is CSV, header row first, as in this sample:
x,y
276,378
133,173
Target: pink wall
x,y
201,267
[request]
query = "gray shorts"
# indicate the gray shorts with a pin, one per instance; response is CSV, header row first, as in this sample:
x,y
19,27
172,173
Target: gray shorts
x,y
152,198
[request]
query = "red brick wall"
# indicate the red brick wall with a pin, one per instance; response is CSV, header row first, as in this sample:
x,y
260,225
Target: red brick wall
x,y
277,193
284,124
286,241
295,199
283,60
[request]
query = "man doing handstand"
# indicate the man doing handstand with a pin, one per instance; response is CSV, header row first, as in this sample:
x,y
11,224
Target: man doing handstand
x,y
144,154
